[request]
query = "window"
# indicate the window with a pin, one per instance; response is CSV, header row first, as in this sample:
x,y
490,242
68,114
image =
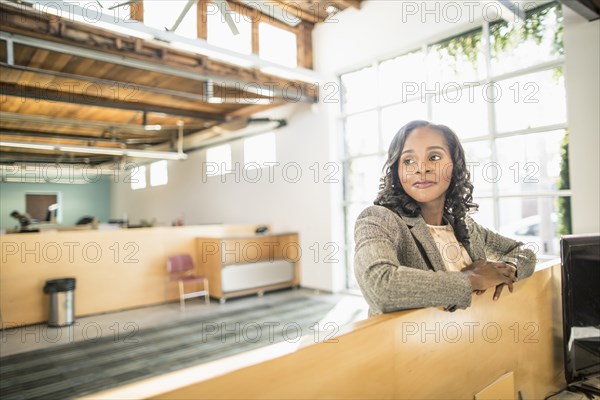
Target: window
x,y
536,41
259,150
511,119
158,173
277,45
218,160
163,14
219,34
138,177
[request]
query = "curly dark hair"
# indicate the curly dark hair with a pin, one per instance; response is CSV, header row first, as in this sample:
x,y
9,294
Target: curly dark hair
x,y
459,196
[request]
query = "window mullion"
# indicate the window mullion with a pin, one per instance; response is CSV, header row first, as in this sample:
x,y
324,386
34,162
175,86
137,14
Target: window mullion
x,y
491,117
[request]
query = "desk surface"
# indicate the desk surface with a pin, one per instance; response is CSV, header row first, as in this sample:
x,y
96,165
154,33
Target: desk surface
x,y
250,236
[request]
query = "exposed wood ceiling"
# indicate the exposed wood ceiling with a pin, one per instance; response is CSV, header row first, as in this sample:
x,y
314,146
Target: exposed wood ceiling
x,y
68,83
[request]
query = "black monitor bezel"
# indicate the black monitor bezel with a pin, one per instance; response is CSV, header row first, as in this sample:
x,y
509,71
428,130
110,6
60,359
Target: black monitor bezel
x,y
567,244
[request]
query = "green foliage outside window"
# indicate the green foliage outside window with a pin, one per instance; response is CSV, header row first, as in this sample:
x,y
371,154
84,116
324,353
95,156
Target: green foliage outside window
x,y
505,35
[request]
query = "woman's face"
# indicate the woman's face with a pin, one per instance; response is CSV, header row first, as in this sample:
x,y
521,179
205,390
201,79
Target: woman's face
x,y
425,166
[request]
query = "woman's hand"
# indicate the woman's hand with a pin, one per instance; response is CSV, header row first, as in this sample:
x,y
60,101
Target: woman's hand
x,y
496,292
485,274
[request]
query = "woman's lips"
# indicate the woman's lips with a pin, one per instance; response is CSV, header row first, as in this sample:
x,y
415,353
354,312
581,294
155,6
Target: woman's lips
x,y
423,184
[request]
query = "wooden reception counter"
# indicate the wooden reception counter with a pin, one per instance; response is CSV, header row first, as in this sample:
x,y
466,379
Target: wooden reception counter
x,y
508,349
115,270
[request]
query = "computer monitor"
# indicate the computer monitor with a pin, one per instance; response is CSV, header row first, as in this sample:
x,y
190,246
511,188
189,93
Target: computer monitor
x,y
580,259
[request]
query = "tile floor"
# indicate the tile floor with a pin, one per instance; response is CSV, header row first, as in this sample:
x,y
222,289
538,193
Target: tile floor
x,y
124,324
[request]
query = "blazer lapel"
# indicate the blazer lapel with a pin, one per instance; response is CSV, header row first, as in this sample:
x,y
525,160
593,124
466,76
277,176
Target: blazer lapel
x,y
475,247
420,231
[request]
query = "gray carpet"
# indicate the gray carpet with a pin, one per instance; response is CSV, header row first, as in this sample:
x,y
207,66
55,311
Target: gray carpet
x,y
85,367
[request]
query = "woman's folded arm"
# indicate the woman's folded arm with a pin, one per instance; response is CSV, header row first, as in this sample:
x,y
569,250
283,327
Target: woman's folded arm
x,y
389,286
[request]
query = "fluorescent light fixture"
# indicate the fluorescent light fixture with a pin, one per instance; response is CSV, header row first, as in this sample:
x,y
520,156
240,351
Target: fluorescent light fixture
x,y
32,146
163,155
38,180
229,59
288,74
152,127
74,170
259,90
91,150
255,101
216,100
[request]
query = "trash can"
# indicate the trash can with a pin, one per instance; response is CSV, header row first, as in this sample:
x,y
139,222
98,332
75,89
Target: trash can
x,y
61,310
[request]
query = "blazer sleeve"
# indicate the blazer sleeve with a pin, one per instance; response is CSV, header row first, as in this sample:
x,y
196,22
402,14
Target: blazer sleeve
x,y
389,286
502,248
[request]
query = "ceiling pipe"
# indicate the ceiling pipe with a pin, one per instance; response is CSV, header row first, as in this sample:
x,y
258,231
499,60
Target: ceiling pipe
x,y
180,137
163,155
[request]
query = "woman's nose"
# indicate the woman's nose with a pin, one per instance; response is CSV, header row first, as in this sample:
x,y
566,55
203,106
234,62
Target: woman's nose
x,y
424,168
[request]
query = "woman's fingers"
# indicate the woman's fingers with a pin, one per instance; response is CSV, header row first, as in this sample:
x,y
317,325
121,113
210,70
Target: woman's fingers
x,y
484,274
499,288
498,291
507,270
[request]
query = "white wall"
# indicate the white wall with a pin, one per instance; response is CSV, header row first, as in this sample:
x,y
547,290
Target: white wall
x,y
582,80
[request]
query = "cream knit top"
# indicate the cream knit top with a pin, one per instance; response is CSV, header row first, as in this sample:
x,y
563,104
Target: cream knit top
x,y
452,251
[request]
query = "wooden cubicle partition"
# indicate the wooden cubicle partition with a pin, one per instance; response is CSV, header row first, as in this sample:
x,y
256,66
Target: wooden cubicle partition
x,y
419,354
114,269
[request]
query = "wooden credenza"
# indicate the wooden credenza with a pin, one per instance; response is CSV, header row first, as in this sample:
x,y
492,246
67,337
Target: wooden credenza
x,y
242,265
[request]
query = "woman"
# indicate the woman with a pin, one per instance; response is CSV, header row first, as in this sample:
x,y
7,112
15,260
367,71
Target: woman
x,y
417,247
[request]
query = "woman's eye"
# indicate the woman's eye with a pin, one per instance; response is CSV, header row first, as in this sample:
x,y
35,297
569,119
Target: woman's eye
x,y
407,161
435,157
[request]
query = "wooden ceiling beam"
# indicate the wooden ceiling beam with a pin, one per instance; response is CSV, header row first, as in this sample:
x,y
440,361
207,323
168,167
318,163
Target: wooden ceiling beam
x,y
33,29
288,9
40,94
129,85
343,4
74,123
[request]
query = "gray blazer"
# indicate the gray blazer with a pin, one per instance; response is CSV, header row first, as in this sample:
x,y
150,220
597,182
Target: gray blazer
x,y
398,265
